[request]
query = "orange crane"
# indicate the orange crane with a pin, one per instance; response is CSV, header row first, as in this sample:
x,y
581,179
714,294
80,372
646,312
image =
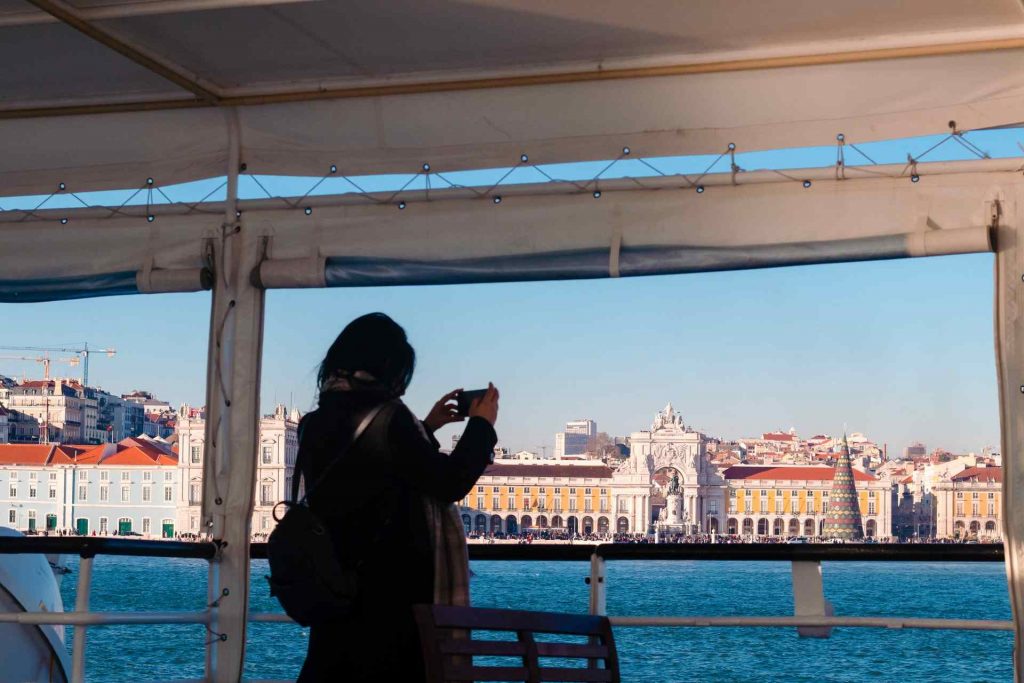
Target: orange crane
x,y
44,429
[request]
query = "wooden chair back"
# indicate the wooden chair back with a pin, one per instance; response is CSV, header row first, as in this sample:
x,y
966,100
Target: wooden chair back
x,y
451,653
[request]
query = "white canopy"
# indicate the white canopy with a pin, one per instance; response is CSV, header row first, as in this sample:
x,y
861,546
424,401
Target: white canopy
x,y
112,94
384,87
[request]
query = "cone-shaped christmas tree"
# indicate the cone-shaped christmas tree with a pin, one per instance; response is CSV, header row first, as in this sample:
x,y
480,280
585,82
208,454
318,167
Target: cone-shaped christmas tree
x,y
843,518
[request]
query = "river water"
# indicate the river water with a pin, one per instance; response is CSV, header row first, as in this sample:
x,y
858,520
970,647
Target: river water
x,y
972,591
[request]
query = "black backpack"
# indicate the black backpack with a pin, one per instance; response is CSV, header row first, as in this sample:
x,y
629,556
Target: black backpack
x,y
305,575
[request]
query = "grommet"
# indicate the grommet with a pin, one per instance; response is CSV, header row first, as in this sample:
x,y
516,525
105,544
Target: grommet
x,y
150,218
840,137
426,167
625,150
700,189
914,178
63,221
218,501
807,183
952,125
149,181
238,214
61,186
1022,388
497,200
732,146
334,169
597,194
401,205
523,158
242,168
308,210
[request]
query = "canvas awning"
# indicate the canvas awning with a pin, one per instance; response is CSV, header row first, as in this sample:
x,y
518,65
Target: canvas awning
x,y
384,87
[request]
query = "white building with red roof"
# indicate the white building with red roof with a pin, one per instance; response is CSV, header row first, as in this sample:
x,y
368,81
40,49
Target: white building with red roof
x,y
968,504
5,436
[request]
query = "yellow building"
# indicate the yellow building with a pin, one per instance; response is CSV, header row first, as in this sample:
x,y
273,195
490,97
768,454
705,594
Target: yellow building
x,y
968,504
793,500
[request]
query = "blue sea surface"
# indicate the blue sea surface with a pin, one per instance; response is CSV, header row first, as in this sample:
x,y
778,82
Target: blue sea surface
x,y
635,588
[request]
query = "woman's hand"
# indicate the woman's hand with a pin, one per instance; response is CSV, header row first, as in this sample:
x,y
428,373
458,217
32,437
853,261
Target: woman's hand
x,y
445,411
486,406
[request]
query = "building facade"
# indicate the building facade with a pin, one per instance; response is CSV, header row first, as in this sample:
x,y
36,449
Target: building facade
x,y
968,505
278,447
576,437
669,484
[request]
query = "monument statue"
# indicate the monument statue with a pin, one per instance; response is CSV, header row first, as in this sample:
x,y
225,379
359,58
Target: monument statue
x,y
673,487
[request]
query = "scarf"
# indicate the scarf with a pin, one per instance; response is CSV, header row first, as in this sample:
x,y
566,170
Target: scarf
x,y
451,558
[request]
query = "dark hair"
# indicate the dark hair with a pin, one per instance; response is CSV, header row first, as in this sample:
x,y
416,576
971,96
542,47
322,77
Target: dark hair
x,y
376,344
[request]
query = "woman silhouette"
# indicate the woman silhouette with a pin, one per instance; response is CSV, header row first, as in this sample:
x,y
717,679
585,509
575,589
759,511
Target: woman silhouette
x,y
388,503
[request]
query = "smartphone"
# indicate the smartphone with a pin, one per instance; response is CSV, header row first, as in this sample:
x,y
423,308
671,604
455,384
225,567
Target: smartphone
x,y
466,398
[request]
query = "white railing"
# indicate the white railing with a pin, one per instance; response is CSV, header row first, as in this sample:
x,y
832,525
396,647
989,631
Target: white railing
x,y
812,613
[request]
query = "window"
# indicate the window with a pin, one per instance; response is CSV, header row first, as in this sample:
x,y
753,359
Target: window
x,y
147,476
974,508
267,494
145,525
764,503
764,492
103,525
193,522
572,492
494,503
147,494
604,505
991,509
169,476
268,455
974,495
479,489
14,476
824,507
104,494
479,502
871,507
196,453
14,491
572,505
732,493
193,494
104,476
558,504
558,491
32,476
511,489
168,494
779,505
126,494
959,494
126,476
713,507
586,492
526,490
543,489
588,505
12,517
604,492
53,477
82,475
495,489
52,493
748,505
959,509
82,491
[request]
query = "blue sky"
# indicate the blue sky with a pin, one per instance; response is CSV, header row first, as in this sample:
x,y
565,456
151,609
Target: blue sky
x,y
900,350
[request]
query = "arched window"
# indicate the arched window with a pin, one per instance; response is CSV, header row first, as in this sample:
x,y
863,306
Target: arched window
x,y
495,524
713,525
748,526
542,522
870,529
794,527
481,523
622,525
588,525
732,526
809,527
511,525
556,522
527,522
778,527
602,525
467,522
762,527
573,524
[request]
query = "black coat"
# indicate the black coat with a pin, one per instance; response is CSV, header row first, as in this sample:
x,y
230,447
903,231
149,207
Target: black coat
x,y
372,503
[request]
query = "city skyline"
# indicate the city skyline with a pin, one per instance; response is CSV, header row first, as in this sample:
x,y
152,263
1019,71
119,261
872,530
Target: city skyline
x,y
898,350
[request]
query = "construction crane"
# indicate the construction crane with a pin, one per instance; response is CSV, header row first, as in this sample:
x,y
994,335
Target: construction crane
x,y
83,352
44,429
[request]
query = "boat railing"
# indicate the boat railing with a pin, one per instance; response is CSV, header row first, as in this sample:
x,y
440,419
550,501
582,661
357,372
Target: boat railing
x,y
812,614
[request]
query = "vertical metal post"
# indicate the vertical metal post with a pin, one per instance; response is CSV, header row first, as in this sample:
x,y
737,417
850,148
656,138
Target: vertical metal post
x,y
598,588
81,605
809,598
1007,217
232,421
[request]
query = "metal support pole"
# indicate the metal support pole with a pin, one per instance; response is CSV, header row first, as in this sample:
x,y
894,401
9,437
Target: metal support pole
x,y
232,421
81,605
809,598
598,585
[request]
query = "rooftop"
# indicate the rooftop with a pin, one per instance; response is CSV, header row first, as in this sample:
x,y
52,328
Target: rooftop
x,y
793,473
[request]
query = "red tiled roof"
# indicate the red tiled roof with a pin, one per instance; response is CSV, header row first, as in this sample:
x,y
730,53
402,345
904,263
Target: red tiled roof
x,y
36,454
532,470
980,474
777,436
786,472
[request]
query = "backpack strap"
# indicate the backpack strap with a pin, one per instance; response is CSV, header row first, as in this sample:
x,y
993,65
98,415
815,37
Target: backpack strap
x,y
363,425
